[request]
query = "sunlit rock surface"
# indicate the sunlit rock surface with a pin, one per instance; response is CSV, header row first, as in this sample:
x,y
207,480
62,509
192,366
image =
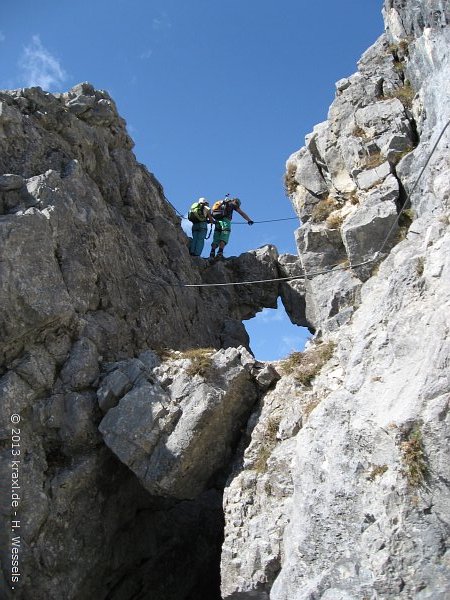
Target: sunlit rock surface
x,y
364,507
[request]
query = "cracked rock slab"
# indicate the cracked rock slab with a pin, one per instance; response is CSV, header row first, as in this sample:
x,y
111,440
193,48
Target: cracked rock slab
x,y
177,431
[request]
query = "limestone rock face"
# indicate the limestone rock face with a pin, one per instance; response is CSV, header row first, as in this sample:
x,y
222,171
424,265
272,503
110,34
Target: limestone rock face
x,y
292,293
371,126
258,499
90,243
93,267
176,428
356,505
363,509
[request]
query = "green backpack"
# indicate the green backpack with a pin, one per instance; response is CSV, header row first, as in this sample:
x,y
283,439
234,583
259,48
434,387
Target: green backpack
x,y
196,213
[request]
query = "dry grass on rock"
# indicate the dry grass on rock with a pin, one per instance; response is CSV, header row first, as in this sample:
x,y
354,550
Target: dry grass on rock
x,y
200,359
306,365
323,209
268,443
290,183
404,93
414,459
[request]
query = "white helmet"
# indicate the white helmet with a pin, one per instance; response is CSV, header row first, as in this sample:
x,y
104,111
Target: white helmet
x,y
203,201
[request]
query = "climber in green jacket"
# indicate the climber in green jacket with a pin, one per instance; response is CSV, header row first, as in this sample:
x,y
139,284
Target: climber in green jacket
x,y
222,212
199,214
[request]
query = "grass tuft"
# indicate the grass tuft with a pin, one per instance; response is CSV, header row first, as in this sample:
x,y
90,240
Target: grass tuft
x,y
352,197
400,49
414,459
166,353
201,361
399,66
405,94
306,365
290,183
268,443
334,221
377,471
420,266
359,132
323,209
308,408
374,160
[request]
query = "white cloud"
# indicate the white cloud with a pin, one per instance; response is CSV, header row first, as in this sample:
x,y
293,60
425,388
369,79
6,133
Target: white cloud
x,y
293,343
269,315
39,67
146,54
162,21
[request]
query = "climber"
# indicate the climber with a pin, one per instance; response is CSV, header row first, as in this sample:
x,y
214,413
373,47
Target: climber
x,y
199,214
222,212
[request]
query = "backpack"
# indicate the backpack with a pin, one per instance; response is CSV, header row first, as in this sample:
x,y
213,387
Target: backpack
x,y
196,213
220,209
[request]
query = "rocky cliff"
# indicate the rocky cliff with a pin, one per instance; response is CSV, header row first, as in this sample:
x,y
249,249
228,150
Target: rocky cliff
x,y
151,445
92,285
351,499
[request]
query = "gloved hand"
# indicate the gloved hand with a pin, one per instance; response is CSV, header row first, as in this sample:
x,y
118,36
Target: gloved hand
x,y
250,222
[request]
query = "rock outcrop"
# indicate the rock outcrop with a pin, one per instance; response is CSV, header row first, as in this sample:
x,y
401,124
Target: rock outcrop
x,y
89,241
363,507
178,424
93,271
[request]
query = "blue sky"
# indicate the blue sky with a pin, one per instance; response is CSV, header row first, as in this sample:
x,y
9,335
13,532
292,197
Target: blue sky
x,y
216,94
